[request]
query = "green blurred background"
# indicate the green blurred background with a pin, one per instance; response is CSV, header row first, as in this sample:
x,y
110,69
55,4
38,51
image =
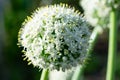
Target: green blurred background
x,y
12,66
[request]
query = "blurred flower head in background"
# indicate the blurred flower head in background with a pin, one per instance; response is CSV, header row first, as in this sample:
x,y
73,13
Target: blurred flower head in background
x,y
96,12
55,37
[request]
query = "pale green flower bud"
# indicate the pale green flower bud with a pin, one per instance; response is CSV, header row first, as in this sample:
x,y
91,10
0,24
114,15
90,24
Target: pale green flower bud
x,y
55,37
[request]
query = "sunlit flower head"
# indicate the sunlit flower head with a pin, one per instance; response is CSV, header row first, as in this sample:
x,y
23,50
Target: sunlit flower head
x,y
55,37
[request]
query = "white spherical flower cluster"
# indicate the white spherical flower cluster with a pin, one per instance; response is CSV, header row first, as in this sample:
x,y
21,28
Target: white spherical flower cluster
x,y
55,37
96,12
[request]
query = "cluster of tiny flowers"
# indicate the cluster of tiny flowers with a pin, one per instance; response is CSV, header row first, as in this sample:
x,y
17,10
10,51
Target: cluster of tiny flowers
x,y
96,12
55,37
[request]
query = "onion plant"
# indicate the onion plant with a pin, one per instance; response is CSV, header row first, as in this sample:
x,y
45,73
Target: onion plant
x,y
58,37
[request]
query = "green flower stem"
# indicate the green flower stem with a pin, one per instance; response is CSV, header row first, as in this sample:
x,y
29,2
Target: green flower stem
x,y
44,75
78,73
79,70
112,46
97,30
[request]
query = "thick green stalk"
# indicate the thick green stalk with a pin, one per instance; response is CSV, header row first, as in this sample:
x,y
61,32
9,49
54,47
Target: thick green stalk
x,y
44,75
79,70
112,46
